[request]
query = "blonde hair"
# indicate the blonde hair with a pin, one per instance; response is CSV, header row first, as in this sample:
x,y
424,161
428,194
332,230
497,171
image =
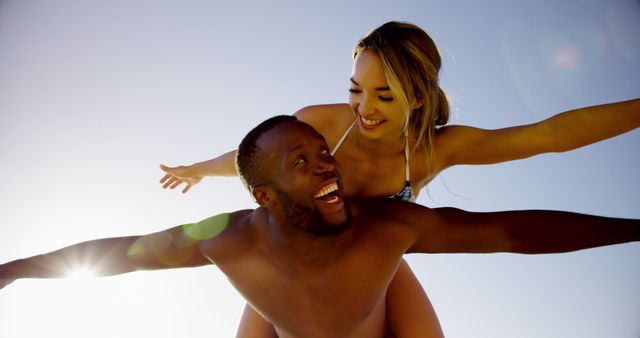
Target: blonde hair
x,y
411,63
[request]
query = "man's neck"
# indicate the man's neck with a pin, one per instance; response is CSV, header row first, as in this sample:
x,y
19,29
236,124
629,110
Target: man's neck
x,y
301,250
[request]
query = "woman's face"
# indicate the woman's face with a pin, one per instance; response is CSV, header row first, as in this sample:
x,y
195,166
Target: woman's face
x,y
377,111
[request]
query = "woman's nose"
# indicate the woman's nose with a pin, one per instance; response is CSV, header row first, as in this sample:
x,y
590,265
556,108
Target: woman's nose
x,y
365,107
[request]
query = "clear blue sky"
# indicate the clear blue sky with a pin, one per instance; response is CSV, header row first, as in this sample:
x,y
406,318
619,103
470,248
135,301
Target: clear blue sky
x,y
95,94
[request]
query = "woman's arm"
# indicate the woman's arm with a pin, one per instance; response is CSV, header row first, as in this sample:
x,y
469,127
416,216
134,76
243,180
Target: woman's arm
x,y
327,119
191,175
566,131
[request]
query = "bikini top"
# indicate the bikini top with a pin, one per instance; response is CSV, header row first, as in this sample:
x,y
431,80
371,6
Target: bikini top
x,y
406,193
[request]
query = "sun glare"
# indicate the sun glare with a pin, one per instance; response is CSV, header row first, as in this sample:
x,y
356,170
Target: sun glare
x,y
81,272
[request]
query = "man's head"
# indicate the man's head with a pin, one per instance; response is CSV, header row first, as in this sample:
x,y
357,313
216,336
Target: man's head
x,y
287,167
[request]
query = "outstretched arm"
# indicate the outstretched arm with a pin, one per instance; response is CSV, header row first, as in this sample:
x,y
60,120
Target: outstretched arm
x,y
172,248
108,255
450,230
324,118
563,132
191,175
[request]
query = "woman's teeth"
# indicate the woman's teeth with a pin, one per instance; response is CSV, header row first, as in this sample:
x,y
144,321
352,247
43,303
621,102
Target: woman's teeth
x,y
370,123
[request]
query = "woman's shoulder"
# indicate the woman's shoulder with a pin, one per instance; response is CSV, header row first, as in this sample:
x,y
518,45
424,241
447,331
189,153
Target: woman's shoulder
x,y
446,144
452,141
325,113
330,120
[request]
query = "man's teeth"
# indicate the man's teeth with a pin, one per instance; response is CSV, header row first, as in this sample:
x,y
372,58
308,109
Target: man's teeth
x,y
370,123
327,189
332,199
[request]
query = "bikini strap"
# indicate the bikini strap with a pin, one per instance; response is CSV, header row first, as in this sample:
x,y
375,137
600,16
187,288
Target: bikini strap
x,y
407,173
344,137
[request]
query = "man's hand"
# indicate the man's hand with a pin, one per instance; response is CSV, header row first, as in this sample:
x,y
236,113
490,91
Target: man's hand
x,y
6,276
5,282
178,175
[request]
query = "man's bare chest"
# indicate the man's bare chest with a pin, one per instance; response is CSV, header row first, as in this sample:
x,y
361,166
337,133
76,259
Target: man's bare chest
x,y
338,298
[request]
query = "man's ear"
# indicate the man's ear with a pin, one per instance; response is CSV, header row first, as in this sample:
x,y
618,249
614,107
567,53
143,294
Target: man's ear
x,y
264,196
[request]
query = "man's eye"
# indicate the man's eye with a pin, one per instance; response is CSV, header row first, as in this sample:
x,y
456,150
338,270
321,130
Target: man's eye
x,y
355,91
300,160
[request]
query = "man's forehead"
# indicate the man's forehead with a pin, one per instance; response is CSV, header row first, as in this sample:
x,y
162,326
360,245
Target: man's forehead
x,y
287,135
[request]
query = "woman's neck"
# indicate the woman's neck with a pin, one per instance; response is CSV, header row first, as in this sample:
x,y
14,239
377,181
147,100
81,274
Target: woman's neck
x,y
390,145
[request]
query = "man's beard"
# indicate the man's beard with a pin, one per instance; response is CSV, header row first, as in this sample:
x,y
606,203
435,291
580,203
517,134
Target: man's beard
x,y
306,218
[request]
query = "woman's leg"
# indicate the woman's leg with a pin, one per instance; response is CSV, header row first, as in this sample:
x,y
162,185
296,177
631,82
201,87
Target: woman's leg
x,y
409,311
252,325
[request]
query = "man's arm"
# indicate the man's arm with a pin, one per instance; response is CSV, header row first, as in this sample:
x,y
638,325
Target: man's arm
x,y
172,248
450,230
107,256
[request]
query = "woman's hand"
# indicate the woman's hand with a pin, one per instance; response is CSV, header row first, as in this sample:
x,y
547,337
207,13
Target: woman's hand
x,y
178,175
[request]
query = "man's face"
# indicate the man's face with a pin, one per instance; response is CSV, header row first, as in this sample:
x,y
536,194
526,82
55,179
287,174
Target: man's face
x,y
306,178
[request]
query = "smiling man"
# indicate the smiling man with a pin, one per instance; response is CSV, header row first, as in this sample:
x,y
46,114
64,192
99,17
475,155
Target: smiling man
x,y
312,262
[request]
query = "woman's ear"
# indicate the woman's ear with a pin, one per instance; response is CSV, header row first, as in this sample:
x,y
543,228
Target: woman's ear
x,y
263,196
417,103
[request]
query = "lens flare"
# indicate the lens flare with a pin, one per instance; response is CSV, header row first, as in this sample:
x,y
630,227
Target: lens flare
x,y
207,228
566,57
81,272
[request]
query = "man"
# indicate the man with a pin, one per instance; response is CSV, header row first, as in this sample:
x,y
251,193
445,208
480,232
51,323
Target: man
x,y
311,261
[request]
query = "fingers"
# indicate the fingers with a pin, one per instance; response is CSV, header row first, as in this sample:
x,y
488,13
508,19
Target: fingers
x,y
166,169
172,182
5,282
176,182
168,174
165,177
169,180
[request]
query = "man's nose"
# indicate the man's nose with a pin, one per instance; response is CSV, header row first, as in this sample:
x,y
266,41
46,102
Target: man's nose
x,y
324,165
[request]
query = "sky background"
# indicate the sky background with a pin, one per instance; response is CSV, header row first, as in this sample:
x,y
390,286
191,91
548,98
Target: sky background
x,y
95,94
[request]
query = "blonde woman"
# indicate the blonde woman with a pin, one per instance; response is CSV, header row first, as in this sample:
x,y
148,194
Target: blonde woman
x,y
392,140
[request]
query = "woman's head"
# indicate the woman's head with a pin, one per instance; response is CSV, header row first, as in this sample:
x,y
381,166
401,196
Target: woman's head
x,y
411,62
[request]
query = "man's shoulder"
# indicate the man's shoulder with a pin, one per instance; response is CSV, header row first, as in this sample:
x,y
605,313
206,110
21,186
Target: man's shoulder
x,y
384,210
213,226
382,204
387,223
224,234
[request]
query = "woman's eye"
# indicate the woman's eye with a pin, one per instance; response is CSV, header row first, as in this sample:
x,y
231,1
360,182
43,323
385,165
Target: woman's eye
x,y
355,91
386,98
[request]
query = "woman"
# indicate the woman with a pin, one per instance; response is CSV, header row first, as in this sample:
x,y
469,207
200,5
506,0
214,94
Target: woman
x,y
391,140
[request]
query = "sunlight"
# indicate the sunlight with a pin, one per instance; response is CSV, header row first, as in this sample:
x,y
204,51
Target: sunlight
x,y
81,273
